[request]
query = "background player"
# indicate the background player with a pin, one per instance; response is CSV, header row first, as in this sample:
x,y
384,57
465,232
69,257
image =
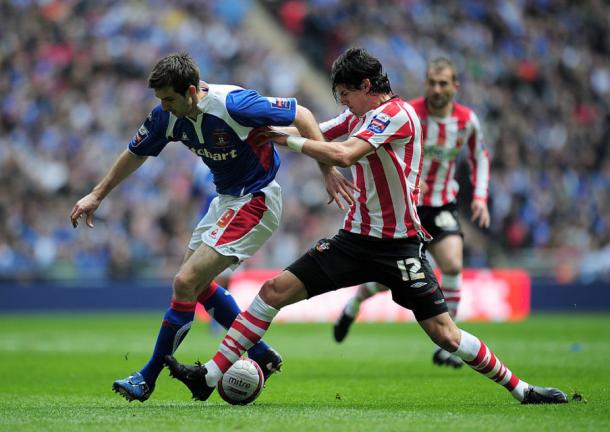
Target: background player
x,y
222,125
447,126
381,239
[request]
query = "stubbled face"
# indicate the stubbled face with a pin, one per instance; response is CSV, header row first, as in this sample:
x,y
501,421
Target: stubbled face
x,y
358,101
177,104
440,87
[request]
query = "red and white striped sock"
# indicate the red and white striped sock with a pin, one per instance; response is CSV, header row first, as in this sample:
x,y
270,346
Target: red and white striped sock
x,y
245,332
474,352
451,285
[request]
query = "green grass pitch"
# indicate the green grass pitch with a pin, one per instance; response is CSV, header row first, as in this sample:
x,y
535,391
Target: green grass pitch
x,y
56,373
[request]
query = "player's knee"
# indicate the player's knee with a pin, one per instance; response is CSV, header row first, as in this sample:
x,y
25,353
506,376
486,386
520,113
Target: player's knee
x,y
184,287
273,294
447,338
453,267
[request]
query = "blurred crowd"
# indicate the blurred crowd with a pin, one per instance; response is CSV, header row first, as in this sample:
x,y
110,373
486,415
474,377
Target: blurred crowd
x,y
537,72
73,92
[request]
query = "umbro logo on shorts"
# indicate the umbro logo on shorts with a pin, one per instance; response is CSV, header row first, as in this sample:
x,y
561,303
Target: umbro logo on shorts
x,y
322,246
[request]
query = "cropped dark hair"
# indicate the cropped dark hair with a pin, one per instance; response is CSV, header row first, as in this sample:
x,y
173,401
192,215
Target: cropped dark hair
x,y
442,63
355,65
176,70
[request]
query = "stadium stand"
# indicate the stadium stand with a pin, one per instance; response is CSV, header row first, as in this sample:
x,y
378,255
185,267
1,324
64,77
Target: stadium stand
x,y
73,92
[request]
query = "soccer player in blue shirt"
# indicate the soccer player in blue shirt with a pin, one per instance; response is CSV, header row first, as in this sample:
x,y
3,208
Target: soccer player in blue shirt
x,y
225,126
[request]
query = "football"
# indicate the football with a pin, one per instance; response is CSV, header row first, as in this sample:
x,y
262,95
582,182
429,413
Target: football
x,y
242,383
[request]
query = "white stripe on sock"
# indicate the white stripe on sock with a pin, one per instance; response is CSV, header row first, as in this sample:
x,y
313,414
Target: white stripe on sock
x,y
469,346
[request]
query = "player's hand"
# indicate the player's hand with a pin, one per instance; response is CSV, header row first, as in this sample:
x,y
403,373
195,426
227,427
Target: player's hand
x,y
338,186
85,206
263,135
423,186
480,212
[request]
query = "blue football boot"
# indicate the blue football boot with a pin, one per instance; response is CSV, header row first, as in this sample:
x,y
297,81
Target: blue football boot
x,y
133,388
270,362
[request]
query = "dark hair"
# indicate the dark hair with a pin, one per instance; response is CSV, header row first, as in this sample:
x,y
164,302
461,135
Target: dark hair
x,y
176,70
442,63
355,65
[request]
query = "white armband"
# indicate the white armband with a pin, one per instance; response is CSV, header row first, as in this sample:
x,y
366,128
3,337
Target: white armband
x,y
295,143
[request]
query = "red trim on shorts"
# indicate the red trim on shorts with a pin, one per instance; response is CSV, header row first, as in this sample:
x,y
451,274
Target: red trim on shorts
x,y
245,220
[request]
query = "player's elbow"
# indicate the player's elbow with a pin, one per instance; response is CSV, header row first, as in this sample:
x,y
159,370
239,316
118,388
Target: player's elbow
x,y
344,158
304,118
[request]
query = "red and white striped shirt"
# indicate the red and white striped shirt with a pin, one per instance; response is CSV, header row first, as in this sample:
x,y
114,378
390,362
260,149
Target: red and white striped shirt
x,y
443,139
387,176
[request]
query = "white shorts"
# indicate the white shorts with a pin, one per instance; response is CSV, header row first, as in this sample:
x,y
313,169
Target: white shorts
x,y
238,226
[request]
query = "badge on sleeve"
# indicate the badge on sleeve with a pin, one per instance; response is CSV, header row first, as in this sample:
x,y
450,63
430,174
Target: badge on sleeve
x,y
281,103
140,135
379,123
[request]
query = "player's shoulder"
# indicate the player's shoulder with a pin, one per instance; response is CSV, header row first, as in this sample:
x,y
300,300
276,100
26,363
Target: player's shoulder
x,y
419,105
398,110
217,94
157,116
463,112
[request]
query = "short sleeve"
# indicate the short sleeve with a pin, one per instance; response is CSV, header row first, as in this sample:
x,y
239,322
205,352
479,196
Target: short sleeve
x,y
387,124
248,108
338,127
151,138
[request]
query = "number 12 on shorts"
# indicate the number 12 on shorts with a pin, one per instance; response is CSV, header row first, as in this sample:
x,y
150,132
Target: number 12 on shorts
x,y
409,268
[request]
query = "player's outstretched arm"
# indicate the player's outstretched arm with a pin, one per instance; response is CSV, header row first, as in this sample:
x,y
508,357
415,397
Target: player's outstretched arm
x,y
125,164
338,153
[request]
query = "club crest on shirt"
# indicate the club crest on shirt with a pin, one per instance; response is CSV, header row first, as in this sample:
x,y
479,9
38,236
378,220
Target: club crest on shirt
x,y
140,135
379,123
221,137
280,103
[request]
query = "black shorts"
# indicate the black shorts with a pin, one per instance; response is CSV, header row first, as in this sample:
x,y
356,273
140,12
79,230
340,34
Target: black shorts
x,y
440,221
352,259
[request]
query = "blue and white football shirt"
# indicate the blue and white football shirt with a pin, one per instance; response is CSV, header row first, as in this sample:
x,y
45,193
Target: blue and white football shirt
x,y
221,136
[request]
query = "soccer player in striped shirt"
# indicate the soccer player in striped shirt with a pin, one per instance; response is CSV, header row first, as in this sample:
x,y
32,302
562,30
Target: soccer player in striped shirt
x,y
382,239
222,125
447,126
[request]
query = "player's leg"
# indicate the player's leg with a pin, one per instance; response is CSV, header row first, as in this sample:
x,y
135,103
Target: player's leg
x,y
443,331
352,307
194,276
239,226
246,331
324,268
447,253
221,306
